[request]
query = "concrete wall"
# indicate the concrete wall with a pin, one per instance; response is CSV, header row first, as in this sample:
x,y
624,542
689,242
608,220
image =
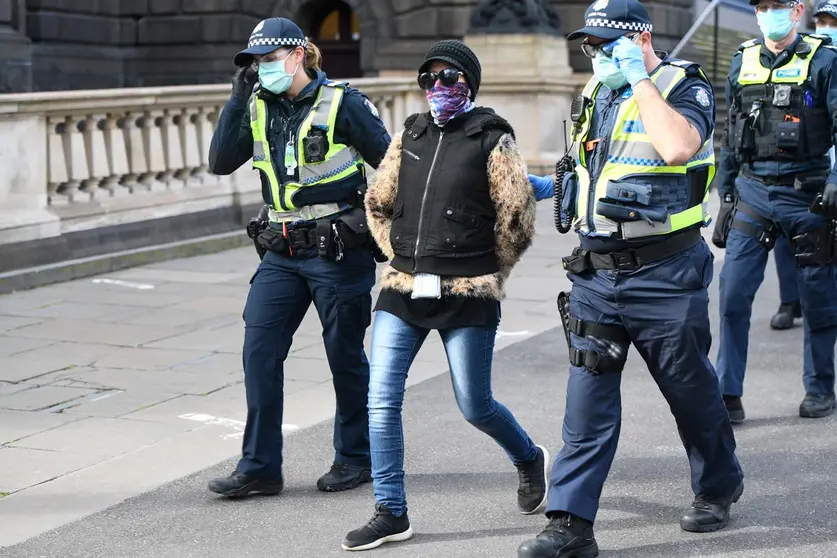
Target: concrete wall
x,y
48,45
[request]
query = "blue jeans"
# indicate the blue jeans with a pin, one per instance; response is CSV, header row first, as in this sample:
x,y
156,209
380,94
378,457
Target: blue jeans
x,y
743,273
470,351
281,291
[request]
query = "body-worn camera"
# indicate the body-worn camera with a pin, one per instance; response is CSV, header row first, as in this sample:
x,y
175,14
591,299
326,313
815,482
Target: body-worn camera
x,y
782,95
315,146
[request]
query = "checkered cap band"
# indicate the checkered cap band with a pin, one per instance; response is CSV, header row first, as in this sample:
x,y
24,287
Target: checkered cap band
x,y
609,23
277,42
827,8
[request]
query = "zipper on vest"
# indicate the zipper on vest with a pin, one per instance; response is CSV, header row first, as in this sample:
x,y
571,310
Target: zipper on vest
x,y
424,199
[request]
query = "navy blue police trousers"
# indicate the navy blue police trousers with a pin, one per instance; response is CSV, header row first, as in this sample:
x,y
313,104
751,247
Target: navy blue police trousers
x,y
664,308
743,273
281,291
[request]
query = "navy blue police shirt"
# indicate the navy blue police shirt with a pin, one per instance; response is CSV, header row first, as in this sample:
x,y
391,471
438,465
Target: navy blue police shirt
x,y
692,98
823,91
358,125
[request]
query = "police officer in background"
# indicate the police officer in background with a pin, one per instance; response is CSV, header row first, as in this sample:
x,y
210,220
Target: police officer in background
x,y
782,97
825,19
644,162
309,138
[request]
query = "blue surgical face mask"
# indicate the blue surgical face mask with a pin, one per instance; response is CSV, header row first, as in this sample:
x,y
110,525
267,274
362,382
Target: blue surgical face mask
x,y
775,24
607,72
830,31
274,78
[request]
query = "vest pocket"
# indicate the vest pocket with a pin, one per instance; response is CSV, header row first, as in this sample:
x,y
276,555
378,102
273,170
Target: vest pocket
x,y
466,233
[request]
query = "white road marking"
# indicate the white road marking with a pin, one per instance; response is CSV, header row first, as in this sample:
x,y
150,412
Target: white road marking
x,y
234,424
512,333
129,284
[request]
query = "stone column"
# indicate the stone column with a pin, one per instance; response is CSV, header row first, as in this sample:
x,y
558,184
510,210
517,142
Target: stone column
x,y
15,48
526,75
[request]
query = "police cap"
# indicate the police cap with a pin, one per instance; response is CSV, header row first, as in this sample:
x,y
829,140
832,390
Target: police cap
x,y
828,7
267,36
610,19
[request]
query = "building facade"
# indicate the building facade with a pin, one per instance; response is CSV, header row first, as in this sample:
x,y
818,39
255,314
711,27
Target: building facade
x,y
48,45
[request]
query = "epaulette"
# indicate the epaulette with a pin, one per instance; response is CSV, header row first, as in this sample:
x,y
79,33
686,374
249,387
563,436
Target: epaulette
x,y
747,44
692,68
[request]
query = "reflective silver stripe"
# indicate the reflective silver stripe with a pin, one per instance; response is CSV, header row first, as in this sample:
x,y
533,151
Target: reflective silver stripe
x,y
314,172
643,154
636,229
307,213
323,107
258,146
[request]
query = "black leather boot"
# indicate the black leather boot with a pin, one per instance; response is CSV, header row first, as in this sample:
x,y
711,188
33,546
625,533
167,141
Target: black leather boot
x,y
565,536
706,515
816,406
784,317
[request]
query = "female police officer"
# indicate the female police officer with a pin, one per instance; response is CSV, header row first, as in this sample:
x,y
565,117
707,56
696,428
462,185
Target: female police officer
x,y
309,138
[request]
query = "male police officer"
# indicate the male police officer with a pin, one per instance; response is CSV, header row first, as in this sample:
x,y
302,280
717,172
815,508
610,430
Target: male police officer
x,y
782,97
309,138
645,159
825,19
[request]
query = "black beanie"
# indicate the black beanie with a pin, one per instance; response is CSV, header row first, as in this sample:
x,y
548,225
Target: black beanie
x,y
458,55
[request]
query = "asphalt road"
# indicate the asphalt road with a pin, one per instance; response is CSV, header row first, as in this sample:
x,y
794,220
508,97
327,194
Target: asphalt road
x,y
461,488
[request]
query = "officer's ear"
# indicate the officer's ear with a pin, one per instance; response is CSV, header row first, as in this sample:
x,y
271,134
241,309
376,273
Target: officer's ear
x,y
644,41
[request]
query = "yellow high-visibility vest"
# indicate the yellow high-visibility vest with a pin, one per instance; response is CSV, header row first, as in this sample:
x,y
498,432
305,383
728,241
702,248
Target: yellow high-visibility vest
x,y
341,161
629,153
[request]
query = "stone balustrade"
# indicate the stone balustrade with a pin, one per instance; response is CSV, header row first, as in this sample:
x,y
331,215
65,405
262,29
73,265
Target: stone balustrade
x,y
84,174
75,160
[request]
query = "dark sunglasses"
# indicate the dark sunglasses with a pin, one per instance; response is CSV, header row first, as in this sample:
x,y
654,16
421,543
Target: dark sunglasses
x,y
590,51
447,77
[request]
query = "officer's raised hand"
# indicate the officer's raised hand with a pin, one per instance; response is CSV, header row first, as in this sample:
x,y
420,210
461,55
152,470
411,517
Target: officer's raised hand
x,y
628,58
829,200
243,81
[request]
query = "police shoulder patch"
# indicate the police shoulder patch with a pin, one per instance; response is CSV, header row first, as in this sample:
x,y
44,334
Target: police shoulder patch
x,y
371,108
702,97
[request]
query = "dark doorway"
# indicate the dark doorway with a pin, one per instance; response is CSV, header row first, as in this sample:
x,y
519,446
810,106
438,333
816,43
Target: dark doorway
x,y
336,30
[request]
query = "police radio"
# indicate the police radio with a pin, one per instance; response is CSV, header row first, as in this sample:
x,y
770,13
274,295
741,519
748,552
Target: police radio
x,y
577,110
315,145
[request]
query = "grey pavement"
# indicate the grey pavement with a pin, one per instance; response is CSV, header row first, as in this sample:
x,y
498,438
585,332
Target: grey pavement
x,y
460,484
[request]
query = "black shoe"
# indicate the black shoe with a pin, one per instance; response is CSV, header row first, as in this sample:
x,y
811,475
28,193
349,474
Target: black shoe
x,y
735,409
816,406
239,485
783,318
343,477
533,475
565,536
709,515
382,528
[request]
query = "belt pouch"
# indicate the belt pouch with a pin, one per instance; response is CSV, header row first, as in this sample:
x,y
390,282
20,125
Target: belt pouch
x,y
353,228
324,238
577,262
788,135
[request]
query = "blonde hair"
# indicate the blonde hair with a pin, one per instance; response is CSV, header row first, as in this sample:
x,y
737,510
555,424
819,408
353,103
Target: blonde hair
x,y
313,59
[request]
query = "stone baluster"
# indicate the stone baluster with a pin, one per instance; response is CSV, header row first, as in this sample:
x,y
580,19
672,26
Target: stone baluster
x,y
205,123
152,141
131,126
170,132
189,145
399,112
94,149
117,155
77,170
57,165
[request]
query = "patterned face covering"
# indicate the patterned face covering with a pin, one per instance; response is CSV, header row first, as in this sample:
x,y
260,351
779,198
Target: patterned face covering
x,y
447,102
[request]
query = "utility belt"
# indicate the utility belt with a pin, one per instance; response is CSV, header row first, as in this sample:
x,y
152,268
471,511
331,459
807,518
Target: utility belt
x,y
628,260
330,236
804,182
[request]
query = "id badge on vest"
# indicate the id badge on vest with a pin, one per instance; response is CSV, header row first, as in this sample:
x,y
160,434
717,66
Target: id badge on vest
x,y
290,157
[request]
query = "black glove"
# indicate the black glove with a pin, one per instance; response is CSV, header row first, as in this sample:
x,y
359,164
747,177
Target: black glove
x,y
243,81
724,221
829,200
